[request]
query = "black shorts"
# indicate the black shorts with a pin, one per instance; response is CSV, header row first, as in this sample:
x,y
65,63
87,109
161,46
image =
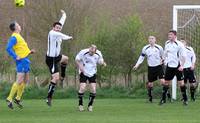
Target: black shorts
x,y
189,75
171,72
53,63
155,73
83,78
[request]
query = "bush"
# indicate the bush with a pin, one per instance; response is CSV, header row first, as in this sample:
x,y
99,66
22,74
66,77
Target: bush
x,y
32,92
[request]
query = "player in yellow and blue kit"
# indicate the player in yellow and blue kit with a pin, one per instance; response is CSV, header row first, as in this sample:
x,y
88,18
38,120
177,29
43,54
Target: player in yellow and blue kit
x,y
18,49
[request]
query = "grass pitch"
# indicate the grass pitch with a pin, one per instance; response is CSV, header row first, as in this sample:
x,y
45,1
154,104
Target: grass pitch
x,y
105,111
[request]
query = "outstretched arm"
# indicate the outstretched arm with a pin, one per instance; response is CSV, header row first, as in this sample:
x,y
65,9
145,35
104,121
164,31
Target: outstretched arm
x,y
62,36
140,60
62,21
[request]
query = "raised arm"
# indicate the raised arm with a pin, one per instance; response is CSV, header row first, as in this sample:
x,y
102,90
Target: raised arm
x,y
63,18
101,60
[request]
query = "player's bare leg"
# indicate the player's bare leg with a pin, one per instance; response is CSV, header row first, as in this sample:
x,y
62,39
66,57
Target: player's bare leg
x,y
63,65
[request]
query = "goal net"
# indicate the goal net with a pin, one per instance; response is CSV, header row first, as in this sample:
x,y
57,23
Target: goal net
x,y
186,21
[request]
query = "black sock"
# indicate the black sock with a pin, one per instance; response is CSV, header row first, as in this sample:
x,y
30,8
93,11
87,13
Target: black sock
x,y
51,89
150,92
63,68
91,98
168,94
183,91
192,91
165,89
80,96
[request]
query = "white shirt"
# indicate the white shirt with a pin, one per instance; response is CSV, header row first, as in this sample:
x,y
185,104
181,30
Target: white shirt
x,y
89,62
190,57
174,53
55,39
154,55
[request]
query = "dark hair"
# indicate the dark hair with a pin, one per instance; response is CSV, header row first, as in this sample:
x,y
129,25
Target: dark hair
x,y
57,23
12,26
173,31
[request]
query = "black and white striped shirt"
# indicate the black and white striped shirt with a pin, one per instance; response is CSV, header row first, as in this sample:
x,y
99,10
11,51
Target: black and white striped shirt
x,y
55,39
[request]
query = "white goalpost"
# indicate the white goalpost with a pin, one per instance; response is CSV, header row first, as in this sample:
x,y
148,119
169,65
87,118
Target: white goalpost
x,y
186,21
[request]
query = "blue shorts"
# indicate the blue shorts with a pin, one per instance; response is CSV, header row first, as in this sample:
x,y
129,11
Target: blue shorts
x,y
23,65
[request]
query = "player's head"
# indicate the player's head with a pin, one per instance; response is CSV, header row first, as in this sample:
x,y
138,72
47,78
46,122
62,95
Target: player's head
x,y
152,40
92,49
184,42
172,35
57,26
15,27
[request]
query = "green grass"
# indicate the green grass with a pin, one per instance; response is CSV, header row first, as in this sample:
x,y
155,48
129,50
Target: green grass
x,y
105,111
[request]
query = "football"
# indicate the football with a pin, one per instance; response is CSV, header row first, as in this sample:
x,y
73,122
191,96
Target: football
x,y
19,3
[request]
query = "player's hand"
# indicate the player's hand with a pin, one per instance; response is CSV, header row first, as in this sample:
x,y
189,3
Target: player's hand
x,y
104,64
32,51
62,11
192,67
70,37
81,69
135,67
18,58
180,68
162,61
